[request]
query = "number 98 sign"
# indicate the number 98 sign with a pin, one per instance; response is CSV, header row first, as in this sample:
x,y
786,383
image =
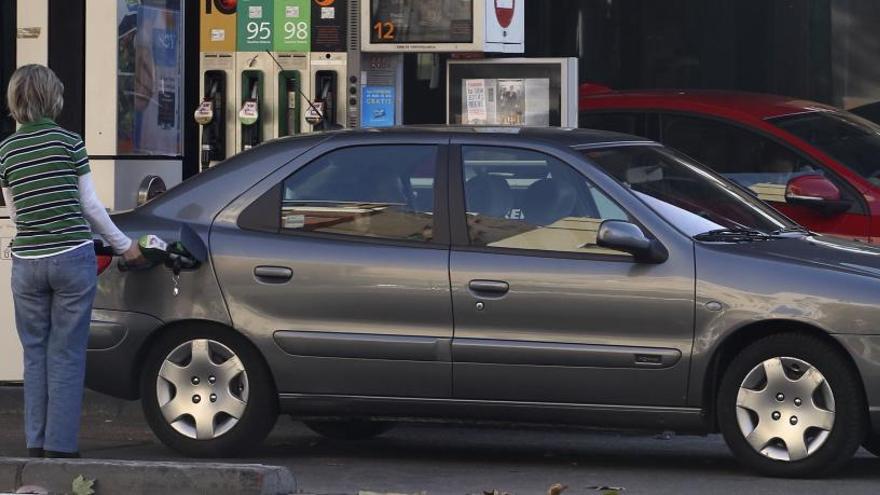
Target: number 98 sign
x,y
294,18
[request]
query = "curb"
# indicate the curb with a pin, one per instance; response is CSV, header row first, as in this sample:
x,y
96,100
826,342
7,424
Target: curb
x,y
94,404
136,478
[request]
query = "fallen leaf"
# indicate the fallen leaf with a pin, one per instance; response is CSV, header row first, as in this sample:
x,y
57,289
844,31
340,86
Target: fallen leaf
x,y
556,489
83,486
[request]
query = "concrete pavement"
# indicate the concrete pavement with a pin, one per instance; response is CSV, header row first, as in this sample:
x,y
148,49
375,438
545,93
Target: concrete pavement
x,y
146,477
443,459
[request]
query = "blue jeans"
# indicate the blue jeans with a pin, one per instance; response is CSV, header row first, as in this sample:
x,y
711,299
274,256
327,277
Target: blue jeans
x,y
53,304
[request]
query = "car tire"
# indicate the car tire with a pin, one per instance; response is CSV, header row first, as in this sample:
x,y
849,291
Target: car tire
x,y
767,411
217,386
350,429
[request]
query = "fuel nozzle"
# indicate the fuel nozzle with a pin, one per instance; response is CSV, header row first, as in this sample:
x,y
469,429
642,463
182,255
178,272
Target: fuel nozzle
x,y
204,116
156,251
248,116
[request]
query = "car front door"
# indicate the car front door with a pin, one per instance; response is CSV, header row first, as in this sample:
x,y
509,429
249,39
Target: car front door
x,y
542,314
338,270
765,167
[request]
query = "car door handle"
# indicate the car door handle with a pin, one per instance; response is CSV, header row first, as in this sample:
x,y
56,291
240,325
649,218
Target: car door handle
x,y
273,274
493,287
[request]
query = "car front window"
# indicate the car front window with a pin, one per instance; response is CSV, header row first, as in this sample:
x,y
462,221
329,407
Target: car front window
x,y
849,139
687,195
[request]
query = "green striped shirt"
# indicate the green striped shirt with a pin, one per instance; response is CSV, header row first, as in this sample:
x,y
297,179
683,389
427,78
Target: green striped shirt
x,y
41,164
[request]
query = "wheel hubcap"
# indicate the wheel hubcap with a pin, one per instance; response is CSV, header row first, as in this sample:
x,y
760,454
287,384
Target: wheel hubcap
x,y
200,369
785,387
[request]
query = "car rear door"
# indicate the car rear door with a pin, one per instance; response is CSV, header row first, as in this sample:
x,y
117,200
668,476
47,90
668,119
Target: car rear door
x,y
337,268
542,314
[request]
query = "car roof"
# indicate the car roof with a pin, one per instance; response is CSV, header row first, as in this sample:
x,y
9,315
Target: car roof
x,y
561,136
755,105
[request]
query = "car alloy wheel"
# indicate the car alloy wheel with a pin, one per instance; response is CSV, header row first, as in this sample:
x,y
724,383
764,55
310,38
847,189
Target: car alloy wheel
x,y
202,389
207,392
785,409
792,405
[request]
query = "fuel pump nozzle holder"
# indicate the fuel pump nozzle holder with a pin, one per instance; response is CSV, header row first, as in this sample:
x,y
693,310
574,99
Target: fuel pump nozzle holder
x,y
324,123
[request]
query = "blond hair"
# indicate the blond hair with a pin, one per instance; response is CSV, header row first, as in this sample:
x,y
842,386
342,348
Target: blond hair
x,y
34,93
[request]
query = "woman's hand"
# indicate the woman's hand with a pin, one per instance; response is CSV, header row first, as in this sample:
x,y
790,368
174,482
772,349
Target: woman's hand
x,y
134,256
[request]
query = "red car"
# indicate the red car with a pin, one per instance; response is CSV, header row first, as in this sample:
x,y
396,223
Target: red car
x,y
817,164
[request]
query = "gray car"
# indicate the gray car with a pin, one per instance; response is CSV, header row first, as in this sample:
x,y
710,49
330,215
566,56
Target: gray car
x,y
545,276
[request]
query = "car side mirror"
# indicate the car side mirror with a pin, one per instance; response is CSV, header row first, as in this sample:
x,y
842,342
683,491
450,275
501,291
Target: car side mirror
x,y
624,236
817,192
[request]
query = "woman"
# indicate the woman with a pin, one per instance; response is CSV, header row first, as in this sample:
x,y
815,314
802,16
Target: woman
x,y
48,188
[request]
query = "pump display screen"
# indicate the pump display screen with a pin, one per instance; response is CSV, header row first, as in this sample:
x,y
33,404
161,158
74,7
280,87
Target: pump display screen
x,y
421,21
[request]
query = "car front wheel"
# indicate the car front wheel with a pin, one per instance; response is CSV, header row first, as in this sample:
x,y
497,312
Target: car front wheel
x,y
207,393
789,405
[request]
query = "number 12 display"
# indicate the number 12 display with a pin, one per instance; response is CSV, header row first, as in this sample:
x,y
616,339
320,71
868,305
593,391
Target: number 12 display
x,y
421,21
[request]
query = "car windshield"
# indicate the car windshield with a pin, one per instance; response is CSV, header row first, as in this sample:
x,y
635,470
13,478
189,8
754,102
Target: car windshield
x,y
849,139
692,198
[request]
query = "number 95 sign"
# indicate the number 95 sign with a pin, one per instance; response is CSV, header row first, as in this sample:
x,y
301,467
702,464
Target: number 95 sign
x,y
255,25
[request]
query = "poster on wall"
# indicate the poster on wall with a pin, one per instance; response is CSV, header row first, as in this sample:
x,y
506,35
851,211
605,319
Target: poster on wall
x,y
149,79
512,91
506,101
377,108
474,105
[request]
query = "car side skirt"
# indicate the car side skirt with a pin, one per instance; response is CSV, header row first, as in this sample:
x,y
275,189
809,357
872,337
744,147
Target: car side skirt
x,y
680,419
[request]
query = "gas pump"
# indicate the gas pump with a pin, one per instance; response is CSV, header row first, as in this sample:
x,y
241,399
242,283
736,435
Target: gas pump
x,y
292,86
327,70
218,84
257,99
249,114
211,116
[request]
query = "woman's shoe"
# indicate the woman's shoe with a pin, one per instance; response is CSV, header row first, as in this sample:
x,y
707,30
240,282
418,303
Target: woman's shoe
x,y
52,454
36,452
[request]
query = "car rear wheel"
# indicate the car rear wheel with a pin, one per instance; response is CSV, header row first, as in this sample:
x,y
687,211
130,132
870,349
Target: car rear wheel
x,y
353,429
207,393
790,405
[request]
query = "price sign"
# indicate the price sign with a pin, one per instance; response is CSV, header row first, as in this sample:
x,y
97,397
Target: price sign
x,y
293,26
255,25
